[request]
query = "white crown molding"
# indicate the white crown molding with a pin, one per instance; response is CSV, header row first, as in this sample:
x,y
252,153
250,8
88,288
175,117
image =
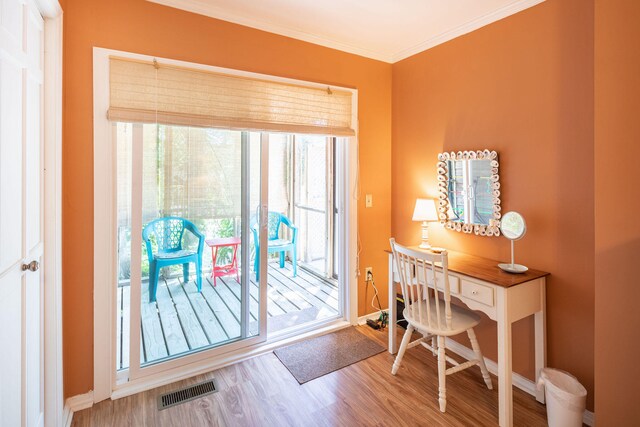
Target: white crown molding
x,y
201,8
196,6
466,28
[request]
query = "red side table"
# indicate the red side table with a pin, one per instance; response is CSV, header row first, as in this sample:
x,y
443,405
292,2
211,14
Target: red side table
x,y
224,270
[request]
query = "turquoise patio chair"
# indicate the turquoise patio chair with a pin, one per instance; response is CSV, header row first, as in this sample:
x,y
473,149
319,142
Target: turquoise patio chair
x,y
166,235
275,243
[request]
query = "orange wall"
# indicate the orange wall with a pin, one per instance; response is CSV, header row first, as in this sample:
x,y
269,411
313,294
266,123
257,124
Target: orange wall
x,y
147,28
617,201
522,86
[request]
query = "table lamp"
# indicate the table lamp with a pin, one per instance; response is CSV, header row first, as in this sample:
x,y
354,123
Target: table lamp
x,y
425,211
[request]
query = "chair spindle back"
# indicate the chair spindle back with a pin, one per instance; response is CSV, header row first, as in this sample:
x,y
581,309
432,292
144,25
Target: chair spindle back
x,y
417,272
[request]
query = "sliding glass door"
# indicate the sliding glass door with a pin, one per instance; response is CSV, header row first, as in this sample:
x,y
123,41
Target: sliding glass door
x,y
314,203
191,217
192,257
220,232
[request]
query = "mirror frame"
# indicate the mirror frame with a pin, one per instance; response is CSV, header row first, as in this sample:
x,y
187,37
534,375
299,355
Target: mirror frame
x,y
491,229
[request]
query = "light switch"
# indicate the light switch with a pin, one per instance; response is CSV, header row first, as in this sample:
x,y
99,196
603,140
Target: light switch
x,y
368,200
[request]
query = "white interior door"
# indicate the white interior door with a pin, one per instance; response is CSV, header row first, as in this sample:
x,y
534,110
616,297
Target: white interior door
x,y
21,246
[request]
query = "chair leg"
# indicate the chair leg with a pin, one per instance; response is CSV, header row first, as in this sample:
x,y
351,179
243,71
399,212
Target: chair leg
x,y
295,261
185,272
442,375
434,345
153,281
476,349
199,274
282,259
403,347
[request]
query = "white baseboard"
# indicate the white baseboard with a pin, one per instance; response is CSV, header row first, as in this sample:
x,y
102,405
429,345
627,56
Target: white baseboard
x,y
521,382
75,404
67,416
363,319
589,418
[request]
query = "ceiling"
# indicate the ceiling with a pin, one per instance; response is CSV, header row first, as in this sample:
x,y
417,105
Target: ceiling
x,y
387,30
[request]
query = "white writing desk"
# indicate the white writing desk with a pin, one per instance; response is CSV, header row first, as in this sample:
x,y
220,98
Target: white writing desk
x,y
505,298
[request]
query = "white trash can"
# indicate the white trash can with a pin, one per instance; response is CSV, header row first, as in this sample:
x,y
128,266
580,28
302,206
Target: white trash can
x,y
565,397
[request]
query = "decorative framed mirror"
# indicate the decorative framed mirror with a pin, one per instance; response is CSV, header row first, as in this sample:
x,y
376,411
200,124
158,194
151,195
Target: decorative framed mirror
x,y
469,192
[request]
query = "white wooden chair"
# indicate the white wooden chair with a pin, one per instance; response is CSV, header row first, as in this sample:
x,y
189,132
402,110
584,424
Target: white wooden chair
x,y
432,316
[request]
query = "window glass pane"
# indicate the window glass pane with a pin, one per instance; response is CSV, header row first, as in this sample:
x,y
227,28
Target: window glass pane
x,y
191,218
311,200
123,132
279,169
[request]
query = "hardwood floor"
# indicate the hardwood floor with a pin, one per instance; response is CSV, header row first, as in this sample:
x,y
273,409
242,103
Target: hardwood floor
x,y
261,392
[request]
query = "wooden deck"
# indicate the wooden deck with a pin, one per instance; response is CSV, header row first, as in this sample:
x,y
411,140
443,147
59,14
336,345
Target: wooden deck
x,y
183,319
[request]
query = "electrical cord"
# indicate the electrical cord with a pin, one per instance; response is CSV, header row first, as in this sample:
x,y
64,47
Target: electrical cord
x,y
356,196
383,319
375,295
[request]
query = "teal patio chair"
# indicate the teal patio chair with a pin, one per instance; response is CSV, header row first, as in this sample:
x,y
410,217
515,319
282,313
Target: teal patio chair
x,y
166,235
275,243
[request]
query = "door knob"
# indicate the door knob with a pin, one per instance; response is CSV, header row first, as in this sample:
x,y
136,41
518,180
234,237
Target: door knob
x,y
32,266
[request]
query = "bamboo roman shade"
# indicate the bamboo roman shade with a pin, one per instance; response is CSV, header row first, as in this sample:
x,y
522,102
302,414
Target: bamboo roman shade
x,y
148,92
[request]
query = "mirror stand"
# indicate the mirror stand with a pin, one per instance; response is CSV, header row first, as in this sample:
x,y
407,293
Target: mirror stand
x,y
513,267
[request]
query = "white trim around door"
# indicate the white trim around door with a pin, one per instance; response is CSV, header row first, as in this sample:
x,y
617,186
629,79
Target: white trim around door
x,y
52,106
105,382
104,230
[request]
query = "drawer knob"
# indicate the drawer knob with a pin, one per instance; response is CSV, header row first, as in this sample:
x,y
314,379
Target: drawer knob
x,y
474,292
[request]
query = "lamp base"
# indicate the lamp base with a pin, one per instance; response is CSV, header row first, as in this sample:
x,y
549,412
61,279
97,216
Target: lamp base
x,y
425,236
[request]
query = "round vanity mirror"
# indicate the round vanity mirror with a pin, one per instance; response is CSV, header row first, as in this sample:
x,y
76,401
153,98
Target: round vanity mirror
x,y
513,227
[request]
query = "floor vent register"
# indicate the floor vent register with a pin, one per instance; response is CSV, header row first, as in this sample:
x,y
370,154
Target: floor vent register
x,y
187,394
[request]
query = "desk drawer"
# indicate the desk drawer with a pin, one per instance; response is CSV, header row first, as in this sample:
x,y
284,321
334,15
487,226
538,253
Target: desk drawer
x,y
454,283
477,292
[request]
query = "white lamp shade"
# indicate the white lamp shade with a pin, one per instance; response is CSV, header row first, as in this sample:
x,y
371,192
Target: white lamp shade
x,y
425,210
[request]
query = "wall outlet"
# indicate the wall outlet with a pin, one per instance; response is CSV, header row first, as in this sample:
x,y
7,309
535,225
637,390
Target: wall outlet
x,y
368,200
368,270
